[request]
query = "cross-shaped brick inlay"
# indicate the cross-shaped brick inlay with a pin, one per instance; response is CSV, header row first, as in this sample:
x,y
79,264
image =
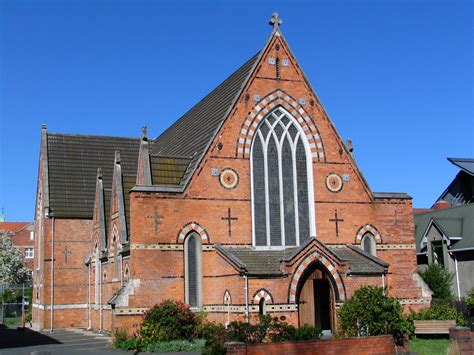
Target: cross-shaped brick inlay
x,y
156,219
229,220
336,220
66,252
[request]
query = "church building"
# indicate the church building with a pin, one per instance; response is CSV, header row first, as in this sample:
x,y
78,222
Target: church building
x,y
250,203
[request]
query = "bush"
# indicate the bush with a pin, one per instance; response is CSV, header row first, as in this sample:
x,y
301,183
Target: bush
x,y
439,312
170,320
439,281
121,340
370,312
215,335
176,346
470,301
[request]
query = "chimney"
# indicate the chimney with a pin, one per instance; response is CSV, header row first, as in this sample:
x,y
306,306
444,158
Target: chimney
x,y
441,205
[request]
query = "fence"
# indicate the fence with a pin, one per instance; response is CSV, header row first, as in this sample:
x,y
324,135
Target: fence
x,y
15,305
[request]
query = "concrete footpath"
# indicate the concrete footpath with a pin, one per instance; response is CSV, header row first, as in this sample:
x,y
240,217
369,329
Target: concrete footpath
x,y
62,341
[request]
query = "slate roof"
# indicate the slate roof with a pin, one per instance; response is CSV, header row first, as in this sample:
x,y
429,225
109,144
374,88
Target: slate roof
x,y
464,163
454,222
168,170
72,169
399,195
190,136
266,263
128,182
360,262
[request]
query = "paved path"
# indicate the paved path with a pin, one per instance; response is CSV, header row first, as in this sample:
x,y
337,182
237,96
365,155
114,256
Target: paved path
x,y
70,342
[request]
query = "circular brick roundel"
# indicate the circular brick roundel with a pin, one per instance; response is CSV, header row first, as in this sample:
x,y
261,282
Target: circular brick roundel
x,y
315,256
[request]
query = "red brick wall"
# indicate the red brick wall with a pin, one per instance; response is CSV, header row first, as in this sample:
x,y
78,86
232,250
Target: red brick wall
x,y
368,346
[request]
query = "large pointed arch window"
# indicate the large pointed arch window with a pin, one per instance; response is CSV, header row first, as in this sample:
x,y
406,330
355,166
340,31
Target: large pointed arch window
x,y
281,182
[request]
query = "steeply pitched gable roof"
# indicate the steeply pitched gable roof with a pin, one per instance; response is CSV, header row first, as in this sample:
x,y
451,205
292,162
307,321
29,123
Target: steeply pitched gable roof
x,y
464,163
72,166
191,135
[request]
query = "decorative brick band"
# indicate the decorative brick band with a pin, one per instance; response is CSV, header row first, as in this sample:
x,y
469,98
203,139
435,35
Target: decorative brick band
x,y
368,228
262,293
266,105
192,227
315,256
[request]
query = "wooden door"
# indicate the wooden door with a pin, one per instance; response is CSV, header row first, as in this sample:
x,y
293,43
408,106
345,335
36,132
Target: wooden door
x,y
306,304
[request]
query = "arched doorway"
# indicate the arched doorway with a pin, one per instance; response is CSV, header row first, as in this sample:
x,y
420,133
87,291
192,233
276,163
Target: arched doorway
x,y
315,298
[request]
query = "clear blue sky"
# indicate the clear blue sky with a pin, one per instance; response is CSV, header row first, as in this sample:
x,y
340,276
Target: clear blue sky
x,y
395,76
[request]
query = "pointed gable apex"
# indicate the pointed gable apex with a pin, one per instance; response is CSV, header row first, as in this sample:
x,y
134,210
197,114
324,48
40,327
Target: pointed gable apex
x,y
99,220
118,200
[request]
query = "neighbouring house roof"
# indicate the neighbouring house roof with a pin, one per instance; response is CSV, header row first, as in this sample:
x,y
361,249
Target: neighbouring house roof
x,y
190,136
72,169
455,223
465,164
13,226
266,263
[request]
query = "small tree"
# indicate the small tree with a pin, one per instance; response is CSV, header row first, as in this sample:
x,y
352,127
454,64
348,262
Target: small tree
x,y
370,312
439,281
12,270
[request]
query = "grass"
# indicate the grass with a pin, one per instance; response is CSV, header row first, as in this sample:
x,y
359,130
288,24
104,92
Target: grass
x,y
12,322
429,346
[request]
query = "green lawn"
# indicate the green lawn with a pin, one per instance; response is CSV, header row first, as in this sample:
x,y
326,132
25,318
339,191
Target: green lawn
x,y
12,322
429,346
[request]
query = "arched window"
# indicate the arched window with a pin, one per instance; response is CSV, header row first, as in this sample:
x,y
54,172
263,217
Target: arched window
x,y
193,270
368,243
116,259
281,182
261,307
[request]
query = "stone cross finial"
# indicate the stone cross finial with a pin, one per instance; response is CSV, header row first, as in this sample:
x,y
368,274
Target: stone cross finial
x,y
144,132
117,157
275,21
99,173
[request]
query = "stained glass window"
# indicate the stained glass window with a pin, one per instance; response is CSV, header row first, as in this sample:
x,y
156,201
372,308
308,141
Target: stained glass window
x,y
280,180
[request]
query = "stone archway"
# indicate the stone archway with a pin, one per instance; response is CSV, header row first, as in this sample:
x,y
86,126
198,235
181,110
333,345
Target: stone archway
x,y
315,296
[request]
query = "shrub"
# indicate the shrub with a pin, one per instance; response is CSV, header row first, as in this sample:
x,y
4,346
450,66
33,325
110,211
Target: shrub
x,y
439,281
121,340
470,301
307,332
170,320
439,312
215,335
370,312
176,346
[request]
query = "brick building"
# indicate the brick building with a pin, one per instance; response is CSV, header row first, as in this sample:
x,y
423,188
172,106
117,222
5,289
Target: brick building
x,y
250,203
22,237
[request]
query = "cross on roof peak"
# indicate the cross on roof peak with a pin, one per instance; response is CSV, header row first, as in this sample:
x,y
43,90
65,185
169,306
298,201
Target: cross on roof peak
x,y
275,20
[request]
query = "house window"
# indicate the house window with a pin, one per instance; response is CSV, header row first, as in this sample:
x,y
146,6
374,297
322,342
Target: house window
x,y
193,270
32,235
438,254
281,182
368,243
29,253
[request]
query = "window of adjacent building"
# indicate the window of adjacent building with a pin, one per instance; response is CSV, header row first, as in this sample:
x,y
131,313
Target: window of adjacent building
x,y
281,182
29,253
437,251
193,270
32,235
368,243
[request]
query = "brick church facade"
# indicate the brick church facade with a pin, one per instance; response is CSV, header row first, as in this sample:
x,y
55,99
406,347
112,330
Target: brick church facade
x,y
250,203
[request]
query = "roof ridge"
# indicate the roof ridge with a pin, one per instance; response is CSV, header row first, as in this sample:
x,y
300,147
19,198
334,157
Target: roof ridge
x,y
88,135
